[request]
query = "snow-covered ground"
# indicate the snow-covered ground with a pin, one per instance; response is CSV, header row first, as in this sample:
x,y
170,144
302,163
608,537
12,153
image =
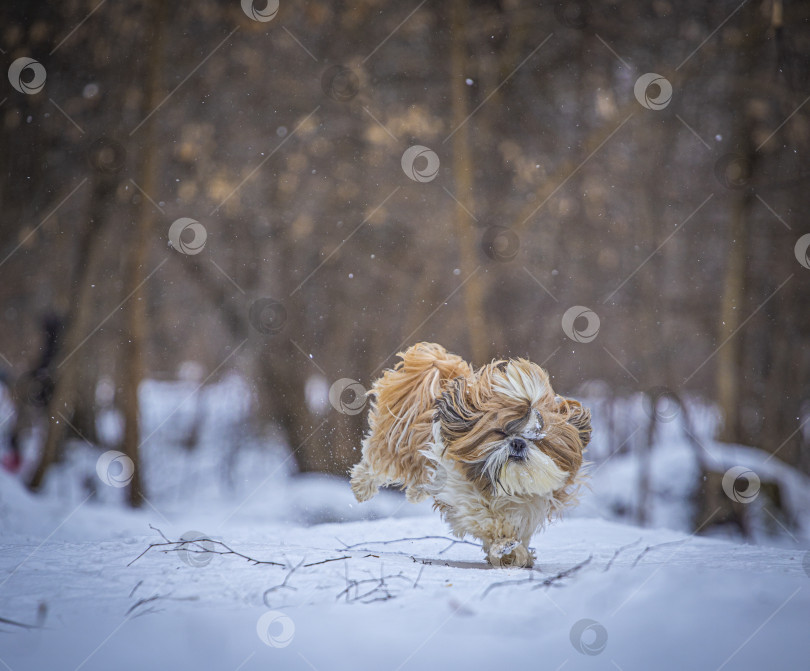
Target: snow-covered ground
x,y
345,589
644,600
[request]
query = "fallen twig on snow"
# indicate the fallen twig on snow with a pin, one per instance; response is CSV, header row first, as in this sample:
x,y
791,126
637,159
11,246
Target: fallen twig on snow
x,y
416,582
283,584
653,547
326,561
381,591
452,541
618,552
547,582
42,613
23,625
424,562
135,589
152,599
186,546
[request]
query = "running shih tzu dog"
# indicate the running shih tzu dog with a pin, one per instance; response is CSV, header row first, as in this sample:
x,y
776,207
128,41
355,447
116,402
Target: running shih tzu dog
x,y
497,450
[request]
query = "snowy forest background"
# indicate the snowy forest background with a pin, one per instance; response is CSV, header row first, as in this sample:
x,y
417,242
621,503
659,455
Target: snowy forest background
x,y
676,227
647,243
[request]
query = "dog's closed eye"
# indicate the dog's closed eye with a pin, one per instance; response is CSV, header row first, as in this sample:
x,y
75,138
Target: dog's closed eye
x,y
517,425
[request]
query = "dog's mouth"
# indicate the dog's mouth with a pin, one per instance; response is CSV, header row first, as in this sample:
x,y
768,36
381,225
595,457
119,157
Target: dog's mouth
x,y
520,467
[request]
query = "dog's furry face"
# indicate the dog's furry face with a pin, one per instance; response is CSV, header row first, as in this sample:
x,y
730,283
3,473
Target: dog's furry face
x,y
509,433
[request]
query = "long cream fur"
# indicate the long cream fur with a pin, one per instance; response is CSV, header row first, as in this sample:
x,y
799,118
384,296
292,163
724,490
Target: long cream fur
x,y
439,428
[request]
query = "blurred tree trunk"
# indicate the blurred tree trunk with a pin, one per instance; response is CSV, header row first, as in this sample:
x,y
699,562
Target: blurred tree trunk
x,y
783,395
279,385
734,292
727,376
84,411
70,358
463,177
133,347
281,397
645,469
781,353
83,418
782,413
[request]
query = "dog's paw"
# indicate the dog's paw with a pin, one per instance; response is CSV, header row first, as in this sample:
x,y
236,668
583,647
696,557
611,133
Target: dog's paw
x,y
503,547
364,489
363,481
510,553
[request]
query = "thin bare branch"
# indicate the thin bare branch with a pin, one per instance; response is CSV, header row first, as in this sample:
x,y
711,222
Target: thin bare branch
x,y
418,577
5,620
326,561
653,547
186,546
547,582
135,589
283,584
157,597
619,551
162,535
452,541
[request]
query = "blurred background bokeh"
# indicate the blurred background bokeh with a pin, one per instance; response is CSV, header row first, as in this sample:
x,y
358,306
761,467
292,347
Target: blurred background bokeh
x,y
642,241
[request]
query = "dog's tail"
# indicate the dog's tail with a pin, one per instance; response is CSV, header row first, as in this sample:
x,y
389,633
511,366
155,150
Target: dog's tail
x,y
401,417
423,368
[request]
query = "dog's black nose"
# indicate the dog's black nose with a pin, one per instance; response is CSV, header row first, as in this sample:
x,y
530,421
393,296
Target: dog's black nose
x,y
517,445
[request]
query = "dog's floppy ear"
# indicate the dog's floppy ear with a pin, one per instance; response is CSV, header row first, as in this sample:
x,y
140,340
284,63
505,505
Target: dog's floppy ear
x,y
579,418
454,410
